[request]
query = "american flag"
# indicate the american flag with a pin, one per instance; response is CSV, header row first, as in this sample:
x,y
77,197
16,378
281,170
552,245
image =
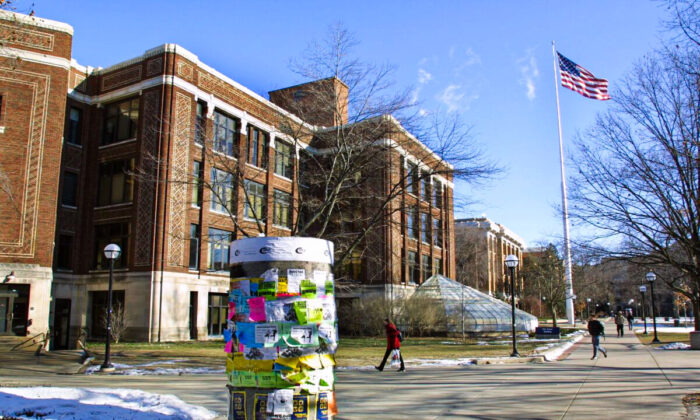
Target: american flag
x,y
581,80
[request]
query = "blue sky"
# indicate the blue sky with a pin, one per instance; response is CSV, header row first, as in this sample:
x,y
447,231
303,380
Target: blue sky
x,y
490,61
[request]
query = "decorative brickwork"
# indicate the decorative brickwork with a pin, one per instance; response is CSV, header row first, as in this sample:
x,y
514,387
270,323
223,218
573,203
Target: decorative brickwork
x,y
225,91
28,38
23,242
147,187
121,78
185,71
154,66
178,180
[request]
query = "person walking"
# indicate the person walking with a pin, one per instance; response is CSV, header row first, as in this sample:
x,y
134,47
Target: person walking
x,y
630,319
392,343
596,329
620,323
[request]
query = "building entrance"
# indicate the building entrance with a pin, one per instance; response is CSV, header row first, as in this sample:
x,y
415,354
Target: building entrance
x,y
14,308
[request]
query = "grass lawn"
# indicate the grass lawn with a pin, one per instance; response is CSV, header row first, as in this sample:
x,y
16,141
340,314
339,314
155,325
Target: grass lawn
x,y
360,351
664,337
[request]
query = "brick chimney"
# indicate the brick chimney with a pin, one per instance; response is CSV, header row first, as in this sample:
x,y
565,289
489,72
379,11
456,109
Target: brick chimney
x,y
321,102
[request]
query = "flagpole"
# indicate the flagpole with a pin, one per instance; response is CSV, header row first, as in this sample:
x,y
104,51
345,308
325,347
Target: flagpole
x,y
570,316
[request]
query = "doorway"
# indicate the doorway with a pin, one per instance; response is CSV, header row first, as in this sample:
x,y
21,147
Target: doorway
x,y
193,315
61,324
7,301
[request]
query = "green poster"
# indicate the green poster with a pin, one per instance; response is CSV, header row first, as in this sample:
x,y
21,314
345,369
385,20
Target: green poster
x,y
308,288
268,289
300,309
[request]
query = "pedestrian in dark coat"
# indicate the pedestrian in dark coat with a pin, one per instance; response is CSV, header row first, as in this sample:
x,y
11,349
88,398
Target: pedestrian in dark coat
x,y
392,343
596,329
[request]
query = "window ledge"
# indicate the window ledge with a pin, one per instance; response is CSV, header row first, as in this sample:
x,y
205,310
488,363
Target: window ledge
x,y
282,177
112,206
76,145
221,213
69,207
216,152
2,129
248,219
117,143
258,168
282,227
106,270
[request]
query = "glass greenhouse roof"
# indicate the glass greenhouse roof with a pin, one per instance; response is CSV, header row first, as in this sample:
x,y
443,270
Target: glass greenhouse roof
x,y
481,312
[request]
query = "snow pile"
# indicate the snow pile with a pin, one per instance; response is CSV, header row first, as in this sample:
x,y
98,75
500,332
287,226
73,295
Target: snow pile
x,y
552,351
674,346
650,329
108,403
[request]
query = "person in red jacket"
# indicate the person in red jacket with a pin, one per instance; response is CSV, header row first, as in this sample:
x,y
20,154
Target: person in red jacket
x,y
392,343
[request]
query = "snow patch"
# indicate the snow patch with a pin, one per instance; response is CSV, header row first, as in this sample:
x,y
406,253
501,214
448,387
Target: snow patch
x,y
674,346
51,403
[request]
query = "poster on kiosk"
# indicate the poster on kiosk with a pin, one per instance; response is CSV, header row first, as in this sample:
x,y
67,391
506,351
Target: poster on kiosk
x,y
282,331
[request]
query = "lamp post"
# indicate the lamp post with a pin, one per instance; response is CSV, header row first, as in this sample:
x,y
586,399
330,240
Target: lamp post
x,y
112,252
642,290
588,308
511,263
651,277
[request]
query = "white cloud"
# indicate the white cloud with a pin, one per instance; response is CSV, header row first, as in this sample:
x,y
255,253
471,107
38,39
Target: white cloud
x,y
529,74
424,77
451,97
471,57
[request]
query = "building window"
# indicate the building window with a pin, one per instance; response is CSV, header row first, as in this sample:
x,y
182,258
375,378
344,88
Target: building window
x,y
218,313
255,200
98,311
219,243
221,191
425,187
425,266
69,194
413,178
283,159
116,182
412,267
121,121
194,246
258,141
424,228
200,128
75,117
225,134
282,210
437,232
412,222
64,252
437,194
437,266
197,175
112,233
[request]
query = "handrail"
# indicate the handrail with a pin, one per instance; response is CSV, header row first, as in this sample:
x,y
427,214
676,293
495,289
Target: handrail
x,y
45,338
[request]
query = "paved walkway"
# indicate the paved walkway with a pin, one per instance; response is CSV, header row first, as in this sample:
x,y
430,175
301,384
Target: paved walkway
x,y
632,383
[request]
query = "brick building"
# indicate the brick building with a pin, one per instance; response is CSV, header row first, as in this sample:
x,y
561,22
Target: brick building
x,y
35,58
171,160
483,246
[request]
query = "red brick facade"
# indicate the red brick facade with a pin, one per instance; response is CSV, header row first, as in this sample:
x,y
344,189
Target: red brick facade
x,y
127,174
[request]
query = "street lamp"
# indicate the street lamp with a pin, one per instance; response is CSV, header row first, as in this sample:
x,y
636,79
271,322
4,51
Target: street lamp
x,y
511,263
112,252
651,277
588,308
642,290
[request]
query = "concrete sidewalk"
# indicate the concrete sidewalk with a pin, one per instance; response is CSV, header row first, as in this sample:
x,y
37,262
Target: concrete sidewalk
x,y
633,382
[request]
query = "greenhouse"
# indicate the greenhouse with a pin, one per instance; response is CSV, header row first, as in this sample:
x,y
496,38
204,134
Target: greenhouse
x,y
471,310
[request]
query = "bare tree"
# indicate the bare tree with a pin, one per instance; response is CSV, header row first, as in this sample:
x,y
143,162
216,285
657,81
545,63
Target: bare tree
x,y
543,275
351,185
638,181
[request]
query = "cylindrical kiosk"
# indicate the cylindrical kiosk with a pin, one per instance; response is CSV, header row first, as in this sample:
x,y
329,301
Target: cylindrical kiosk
x,y
282,329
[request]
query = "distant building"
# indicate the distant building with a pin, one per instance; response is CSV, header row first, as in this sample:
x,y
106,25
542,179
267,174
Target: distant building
x,y
482,246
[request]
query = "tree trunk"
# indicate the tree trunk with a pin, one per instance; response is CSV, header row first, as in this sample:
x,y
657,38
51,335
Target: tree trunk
x,y
696,308
553,309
